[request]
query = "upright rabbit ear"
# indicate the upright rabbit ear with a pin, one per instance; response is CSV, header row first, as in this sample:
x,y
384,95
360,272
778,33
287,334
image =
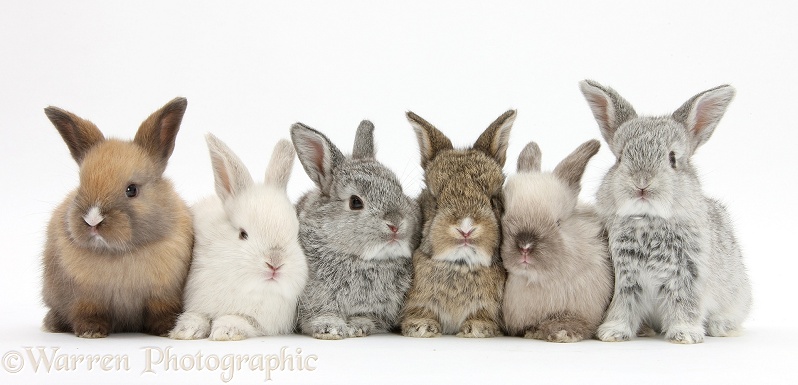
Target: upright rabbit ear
x,y
158,132
495,138
229,173
78,134
282,162
430,140
530,158
571,169
701,114
317,154
364,141
609,108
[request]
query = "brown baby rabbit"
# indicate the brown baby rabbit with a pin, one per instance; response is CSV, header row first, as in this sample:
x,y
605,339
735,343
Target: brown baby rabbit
x,y
118,248
459,278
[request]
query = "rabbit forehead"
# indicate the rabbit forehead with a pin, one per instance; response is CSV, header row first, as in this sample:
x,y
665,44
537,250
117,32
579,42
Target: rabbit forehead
x,y
266,213
113,164
650,135
368,178
464,172
537,195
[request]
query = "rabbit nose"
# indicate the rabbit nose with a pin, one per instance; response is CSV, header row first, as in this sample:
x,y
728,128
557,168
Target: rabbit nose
x,y
466,228
93,217
525,247
393,229
272,267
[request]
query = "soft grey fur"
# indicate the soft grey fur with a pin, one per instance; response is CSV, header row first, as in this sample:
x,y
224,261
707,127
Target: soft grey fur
x,y
357,282
678,266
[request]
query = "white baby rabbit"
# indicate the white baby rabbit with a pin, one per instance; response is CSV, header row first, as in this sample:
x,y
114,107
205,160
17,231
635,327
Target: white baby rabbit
x,y
678,267
248,268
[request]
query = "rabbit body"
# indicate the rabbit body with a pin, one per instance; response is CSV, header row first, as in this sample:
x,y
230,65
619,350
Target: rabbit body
x,y
458,278
358,230
679,269
248,268
118,248
560,278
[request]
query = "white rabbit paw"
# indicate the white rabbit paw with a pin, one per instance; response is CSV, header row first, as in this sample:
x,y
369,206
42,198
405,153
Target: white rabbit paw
x,y
190,327
613,332
227,333
685,336
721,328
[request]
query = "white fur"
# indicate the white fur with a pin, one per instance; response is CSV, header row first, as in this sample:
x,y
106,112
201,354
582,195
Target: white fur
x,y
468,254
93,216
229,294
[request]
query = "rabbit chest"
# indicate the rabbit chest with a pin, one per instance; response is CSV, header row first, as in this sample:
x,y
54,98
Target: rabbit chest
x,y
124,282
369,287
654,252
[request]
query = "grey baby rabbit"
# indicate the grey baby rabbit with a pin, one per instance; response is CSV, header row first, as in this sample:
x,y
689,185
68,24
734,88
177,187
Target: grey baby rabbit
x,y
358,230
678,268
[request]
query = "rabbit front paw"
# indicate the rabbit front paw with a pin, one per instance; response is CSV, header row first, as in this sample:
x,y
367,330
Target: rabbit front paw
x,y
479,329
421,328
613,332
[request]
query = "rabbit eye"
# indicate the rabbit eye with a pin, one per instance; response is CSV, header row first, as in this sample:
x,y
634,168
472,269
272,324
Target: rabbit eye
x,y
672,158
132,191
355,203
242,235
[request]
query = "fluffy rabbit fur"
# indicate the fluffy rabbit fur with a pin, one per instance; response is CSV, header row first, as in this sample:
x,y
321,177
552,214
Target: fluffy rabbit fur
x,y
559,279
459,279
678,267
118,248
248,268
358,230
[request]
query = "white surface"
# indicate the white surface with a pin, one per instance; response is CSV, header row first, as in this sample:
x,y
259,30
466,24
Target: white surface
x,y
250,70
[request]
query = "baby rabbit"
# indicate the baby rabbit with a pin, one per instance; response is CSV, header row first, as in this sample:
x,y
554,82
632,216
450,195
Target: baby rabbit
x,y
248,268
119,246
358,230
678,268
559,279
459,279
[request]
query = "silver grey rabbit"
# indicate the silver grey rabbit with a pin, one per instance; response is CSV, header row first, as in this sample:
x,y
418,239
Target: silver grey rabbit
x,y
678,267
358,230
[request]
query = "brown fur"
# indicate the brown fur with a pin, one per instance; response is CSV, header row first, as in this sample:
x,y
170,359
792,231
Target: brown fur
x,y
133,280
455,297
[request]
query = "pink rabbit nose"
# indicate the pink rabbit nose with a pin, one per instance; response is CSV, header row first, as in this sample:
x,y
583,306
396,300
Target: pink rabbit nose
x,y
465,234
393,229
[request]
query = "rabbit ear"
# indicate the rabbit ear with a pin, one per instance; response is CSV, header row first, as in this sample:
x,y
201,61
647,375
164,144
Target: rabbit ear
x,y
430,140
530,158
157,133
609,108
571,168
701,114
78,134
317,154
364,141
282,162
496,137
229,173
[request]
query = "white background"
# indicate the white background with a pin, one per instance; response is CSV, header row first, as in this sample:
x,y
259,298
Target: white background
x,y
250,70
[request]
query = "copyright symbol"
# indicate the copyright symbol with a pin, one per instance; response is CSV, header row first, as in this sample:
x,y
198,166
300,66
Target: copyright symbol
x,y
13,361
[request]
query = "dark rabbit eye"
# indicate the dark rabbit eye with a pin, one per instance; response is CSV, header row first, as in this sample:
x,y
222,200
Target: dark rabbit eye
x,y
355,203
132,191
672,158
242,235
